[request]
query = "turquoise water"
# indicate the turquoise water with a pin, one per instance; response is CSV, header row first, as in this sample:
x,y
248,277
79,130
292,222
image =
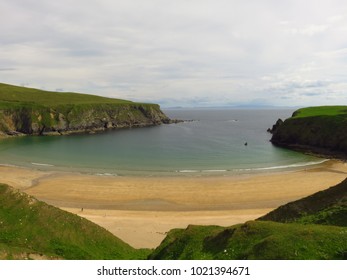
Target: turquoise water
x,y
211,144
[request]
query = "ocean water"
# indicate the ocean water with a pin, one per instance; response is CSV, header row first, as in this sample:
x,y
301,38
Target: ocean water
x,y
212,143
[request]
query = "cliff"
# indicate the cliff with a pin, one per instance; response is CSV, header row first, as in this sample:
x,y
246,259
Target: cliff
x,y
37,112
319,130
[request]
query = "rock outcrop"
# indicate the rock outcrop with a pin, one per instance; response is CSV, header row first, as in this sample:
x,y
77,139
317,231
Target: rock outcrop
x,y
318,134
275,126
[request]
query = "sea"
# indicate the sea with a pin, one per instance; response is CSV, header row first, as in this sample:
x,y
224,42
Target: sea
x,y
210,142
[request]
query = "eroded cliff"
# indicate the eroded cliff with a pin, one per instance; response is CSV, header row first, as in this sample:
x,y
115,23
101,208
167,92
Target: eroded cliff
x,y
320,130
36,112
78,118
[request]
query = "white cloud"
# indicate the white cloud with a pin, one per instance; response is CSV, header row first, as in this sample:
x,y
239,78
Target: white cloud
x,y
310,30
182,52
335,18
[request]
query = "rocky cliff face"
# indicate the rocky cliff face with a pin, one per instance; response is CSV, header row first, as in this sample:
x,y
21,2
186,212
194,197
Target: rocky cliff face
x,y
67,119
326,135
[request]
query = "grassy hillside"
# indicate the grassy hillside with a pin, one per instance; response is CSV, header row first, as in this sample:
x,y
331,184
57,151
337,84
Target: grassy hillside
x,y
255,240
32,111
11,95
320,111
33,229
311,228
318,130
328,207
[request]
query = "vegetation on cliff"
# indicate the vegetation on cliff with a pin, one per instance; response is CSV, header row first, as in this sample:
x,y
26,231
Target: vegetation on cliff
x,y
32,111
328,207
31,229
319,130
310,228
255,240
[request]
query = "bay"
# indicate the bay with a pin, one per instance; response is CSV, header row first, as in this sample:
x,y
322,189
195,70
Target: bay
x,y
212,142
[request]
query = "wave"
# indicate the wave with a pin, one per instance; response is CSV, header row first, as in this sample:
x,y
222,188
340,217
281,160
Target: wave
x,y
215,170
187,171
41,164
105,174
277,167
199,171
295,165
8,165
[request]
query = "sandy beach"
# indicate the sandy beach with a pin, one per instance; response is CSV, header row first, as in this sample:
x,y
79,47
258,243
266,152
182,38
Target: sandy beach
x,y
141,210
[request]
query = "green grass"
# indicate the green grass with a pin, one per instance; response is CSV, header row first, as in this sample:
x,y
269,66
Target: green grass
x,y
11,95
255,240
320,111
29,227
314,227
328,207
335,215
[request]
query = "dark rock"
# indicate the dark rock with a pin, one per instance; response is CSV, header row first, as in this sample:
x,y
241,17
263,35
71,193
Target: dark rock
x,y
275,126
318,135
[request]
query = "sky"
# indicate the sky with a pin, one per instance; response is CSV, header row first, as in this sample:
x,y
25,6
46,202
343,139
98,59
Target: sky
x,y
180,53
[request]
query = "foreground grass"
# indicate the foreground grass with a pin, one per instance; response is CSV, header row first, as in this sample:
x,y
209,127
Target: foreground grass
x,y
314,227
255,240
328,207
30,228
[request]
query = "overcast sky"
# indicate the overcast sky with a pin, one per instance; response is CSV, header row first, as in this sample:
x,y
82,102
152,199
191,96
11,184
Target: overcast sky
x,y
181,52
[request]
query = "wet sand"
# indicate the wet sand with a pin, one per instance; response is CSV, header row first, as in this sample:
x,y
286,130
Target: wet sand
x,y
141,210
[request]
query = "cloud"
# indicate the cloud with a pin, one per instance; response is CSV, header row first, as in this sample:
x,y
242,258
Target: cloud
x,y
310,30
178,52
7,69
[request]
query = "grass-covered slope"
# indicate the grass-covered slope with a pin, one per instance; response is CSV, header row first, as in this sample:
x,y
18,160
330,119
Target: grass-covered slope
x,y
311,228
320,111
33,229
11,95
321,130
32,111
328,207
255,240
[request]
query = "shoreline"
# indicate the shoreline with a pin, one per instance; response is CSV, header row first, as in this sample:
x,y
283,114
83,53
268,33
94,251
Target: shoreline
x,y
141,210
184,173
